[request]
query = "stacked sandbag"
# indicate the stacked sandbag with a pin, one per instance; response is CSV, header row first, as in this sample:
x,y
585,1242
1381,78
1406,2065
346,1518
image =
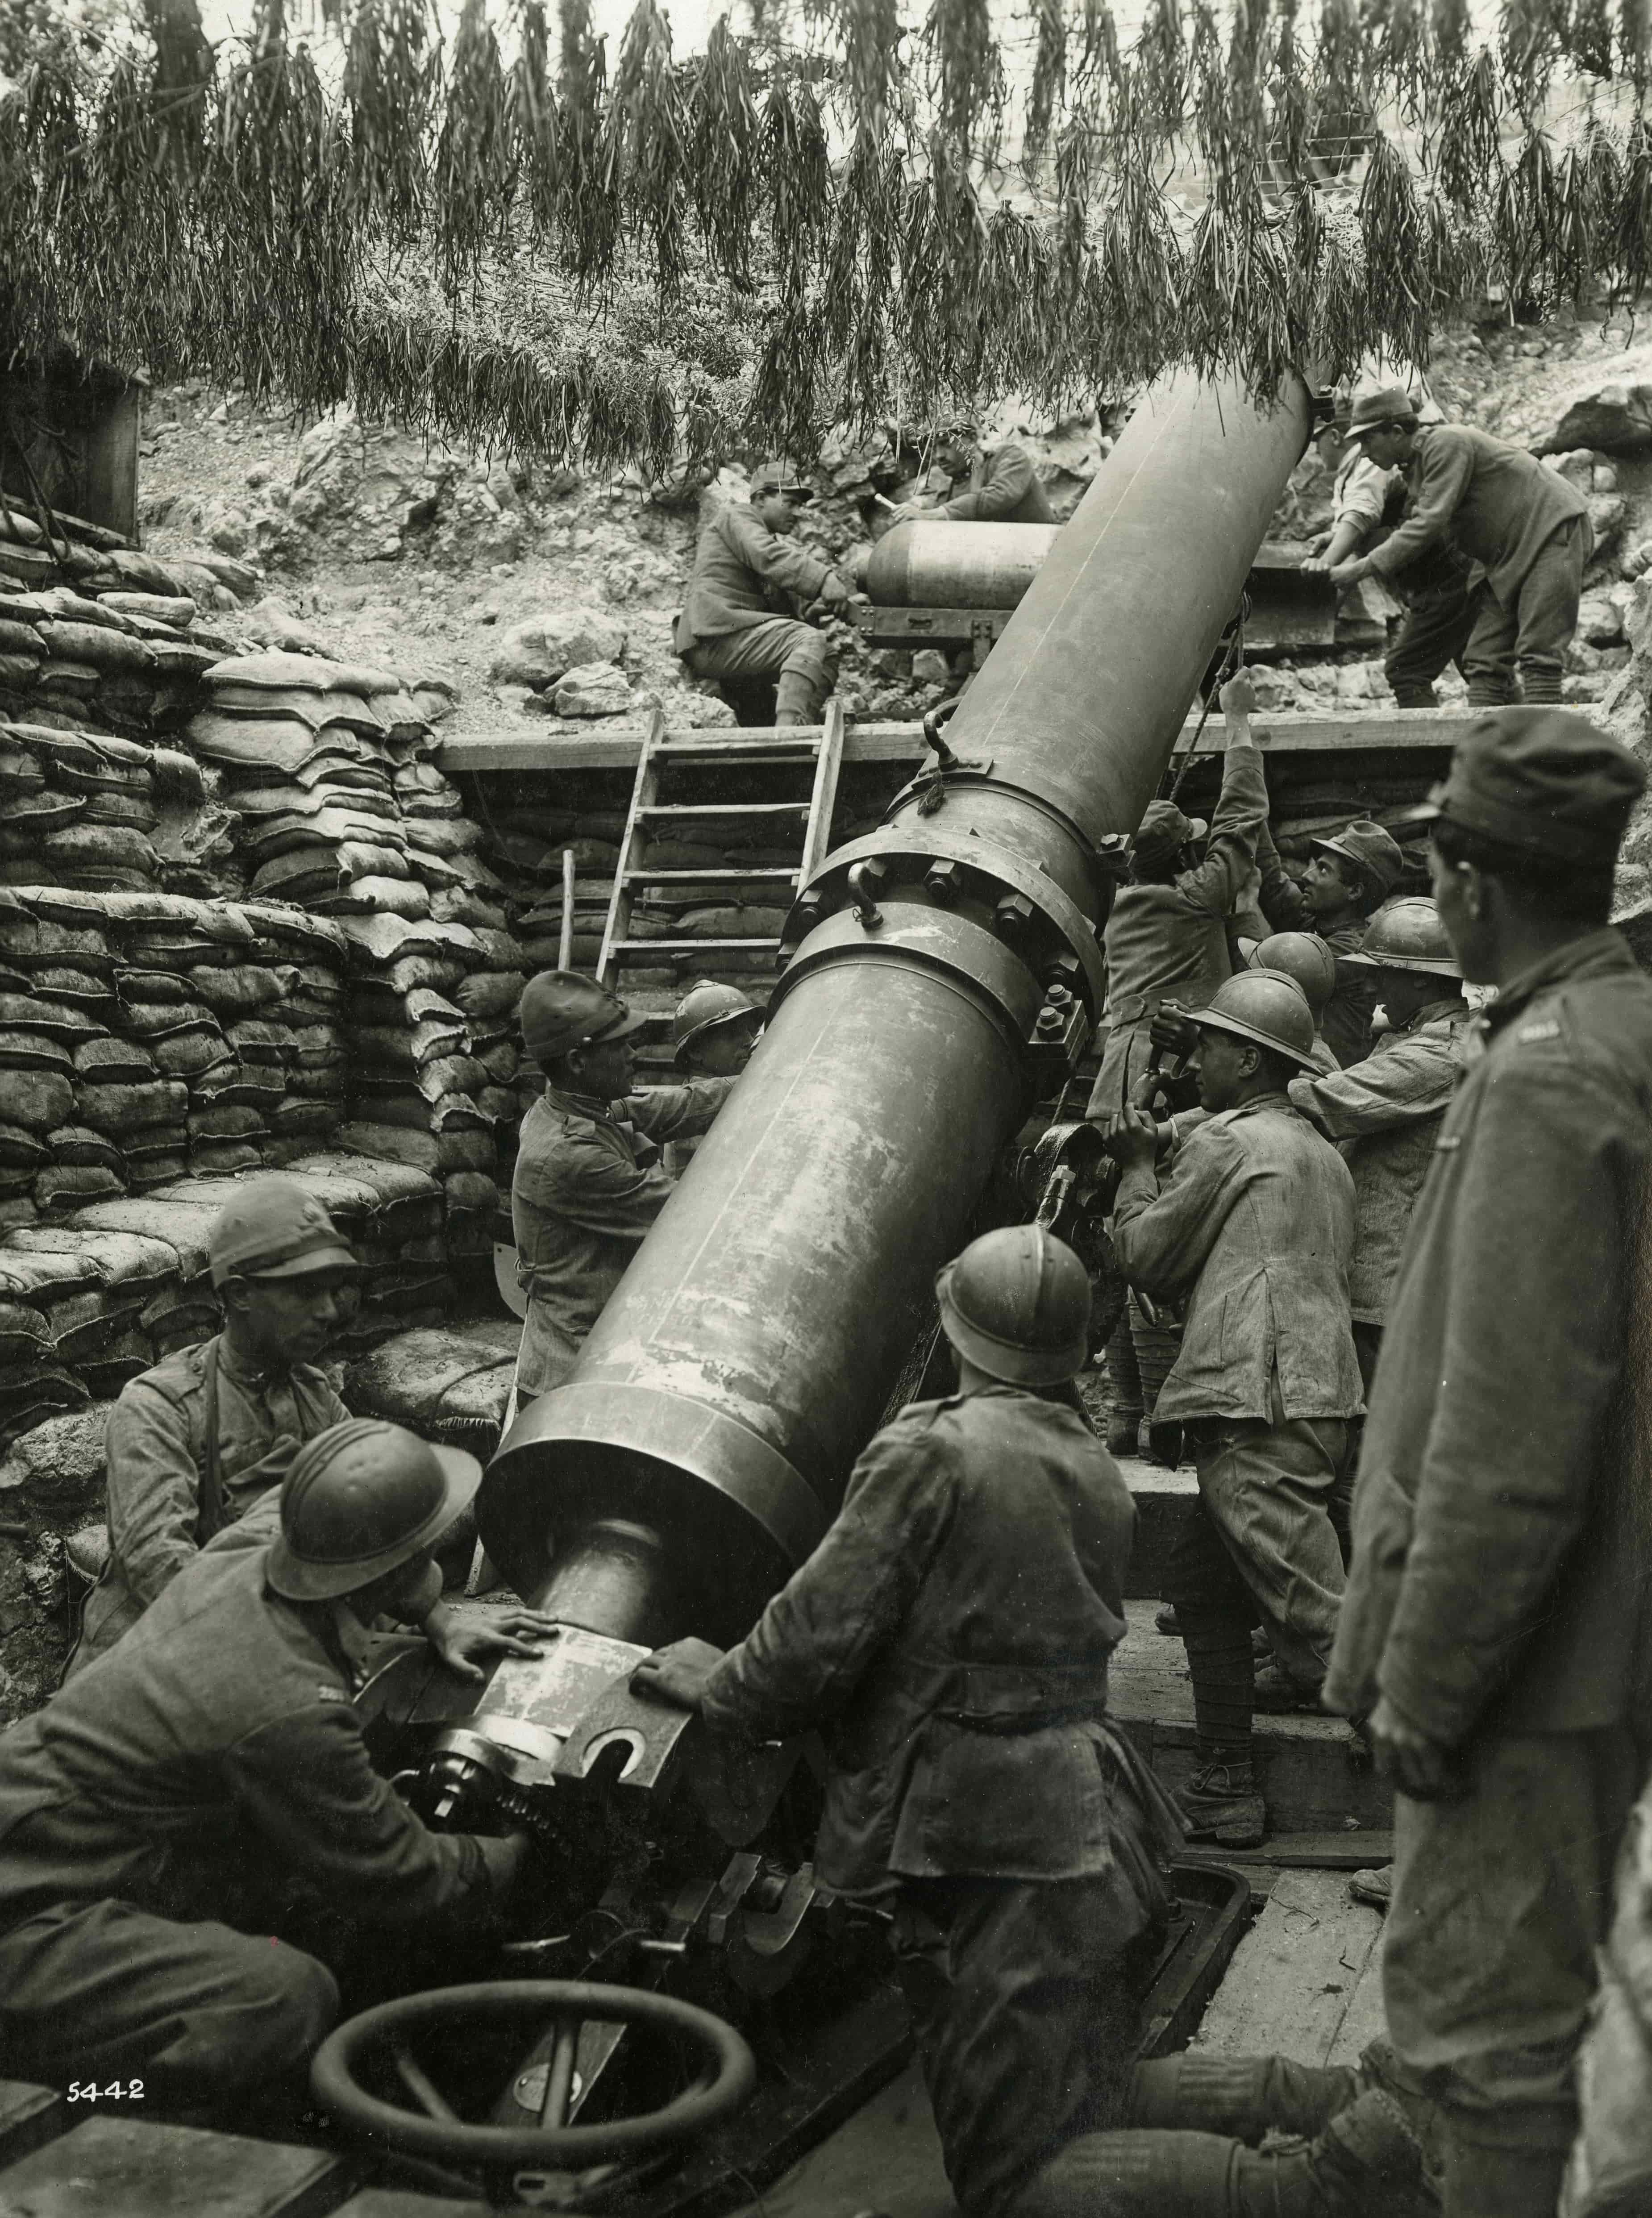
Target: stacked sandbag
x,y
96,812
104,660
442,1385
308,751
416,1087
144,1036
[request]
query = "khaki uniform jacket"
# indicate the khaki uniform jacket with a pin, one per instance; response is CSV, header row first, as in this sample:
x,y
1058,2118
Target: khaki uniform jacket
x,y
1010,491
587,1187
1385,1115
1254,1225
950,1636
742,574
218,1737
156,1449
1496,505
1502,1557
1169,943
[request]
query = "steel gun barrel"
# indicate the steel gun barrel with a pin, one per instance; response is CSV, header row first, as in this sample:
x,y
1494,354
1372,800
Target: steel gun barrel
x,y
938,968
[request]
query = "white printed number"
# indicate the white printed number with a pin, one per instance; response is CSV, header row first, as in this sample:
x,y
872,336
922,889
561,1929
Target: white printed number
x,y
113,2090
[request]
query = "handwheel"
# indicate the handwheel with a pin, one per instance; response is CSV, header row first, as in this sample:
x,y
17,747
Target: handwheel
x,y
436,2130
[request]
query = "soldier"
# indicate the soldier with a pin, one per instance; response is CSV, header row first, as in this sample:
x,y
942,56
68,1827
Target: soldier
x,y
588,1181
1166,943
712,1034
1003,486
730,626
194,1443
1304,958
951,1633
1347,877
1367,503
216,1753
1496,1605
1385,1111
1525,529
1254,1227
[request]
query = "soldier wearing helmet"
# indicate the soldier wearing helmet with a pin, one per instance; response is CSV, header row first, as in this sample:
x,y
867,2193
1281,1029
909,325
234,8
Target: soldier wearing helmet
x,y
1001,483
1348,876
191,1791
588,1182
736,622
714,1031
195,1442
950,1634
1384,1112
1253,1228
1305,958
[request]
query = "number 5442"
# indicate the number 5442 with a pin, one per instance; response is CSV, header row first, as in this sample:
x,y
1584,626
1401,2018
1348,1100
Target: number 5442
x,y
112,2090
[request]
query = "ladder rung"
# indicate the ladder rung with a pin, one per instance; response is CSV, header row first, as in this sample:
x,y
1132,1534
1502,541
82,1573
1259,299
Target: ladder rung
x,y
686,946
756,740
724,808
709,876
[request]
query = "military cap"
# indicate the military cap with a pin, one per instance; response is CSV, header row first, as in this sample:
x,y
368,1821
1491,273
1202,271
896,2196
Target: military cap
x,y
1390,404
778,474
562,1010
274,1229
1373,852
1543,782
1164,831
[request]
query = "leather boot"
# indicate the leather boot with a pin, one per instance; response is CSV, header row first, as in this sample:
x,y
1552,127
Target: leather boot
x,y
1221,1803
1415,696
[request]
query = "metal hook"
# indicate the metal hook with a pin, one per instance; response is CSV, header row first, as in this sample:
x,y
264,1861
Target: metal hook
x,y
863,880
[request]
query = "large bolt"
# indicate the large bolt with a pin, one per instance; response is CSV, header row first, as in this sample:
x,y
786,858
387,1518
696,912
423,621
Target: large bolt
x,y
944,883
1013,916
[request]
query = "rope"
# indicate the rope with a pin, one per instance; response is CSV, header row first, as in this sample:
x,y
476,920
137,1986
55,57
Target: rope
x,y
1232,663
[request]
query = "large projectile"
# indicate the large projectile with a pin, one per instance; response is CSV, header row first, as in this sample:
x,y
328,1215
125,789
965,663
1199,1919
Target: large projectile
x,y
701,1447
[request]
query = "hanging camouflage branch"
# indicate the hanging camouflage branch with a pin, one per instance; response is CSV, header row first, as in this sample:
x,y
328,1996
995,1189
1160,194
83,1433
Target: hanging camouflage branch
x,y
513,241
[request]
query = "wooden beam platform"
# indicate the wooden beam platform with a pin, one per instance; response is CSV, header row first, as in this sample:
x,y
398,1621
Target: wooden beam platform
x,y
1306,1980
1286,734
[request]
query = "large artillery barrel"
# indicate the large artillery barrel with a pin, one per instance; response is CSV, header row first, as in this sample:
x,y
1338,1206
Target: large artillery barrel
x,y
701,1447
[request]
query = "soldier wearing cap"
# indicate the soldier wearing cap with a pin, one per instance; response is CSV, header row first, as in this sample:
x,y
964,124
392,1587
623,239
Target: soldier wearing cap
x,y
194,1443
745,574
208,1777
1348,876
1496,1605
1004,486
950,1634
588,1181
714,1030
1367,503
1525,529
1166,944
1254,1227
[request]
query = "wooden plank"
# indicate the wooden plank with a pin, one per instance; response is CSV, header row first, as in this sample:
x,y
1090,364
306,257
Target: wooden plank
x,y
721,877
692,946
726,808
1349,1851
823,800
1294,1976
1286,733
1365,2020
29,2117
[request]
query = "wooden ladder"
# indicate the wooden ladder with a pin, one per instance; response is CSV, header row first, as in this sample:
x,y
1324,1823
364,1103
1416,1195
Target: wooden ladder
x,y
760,747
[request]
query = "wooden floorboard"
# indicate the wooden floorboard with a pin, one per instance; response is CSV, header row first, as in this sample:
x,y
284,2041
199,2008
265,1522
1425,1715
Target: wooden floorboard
x,y
1297,1975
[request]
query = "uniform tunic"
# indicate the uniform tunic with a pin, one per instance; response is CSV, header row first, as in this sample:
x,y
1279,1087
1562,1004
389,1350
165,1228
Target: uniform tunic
x,y
588,1185
951,1635
1254,1226
157,1452
1385,1114
1010,491
742,572
217,1743
1501,1561
1169,942
1495,503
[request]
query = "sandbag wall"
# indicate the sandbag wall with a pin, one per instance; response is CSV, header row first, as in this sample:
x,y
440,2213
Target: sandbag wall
x,y
327,771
